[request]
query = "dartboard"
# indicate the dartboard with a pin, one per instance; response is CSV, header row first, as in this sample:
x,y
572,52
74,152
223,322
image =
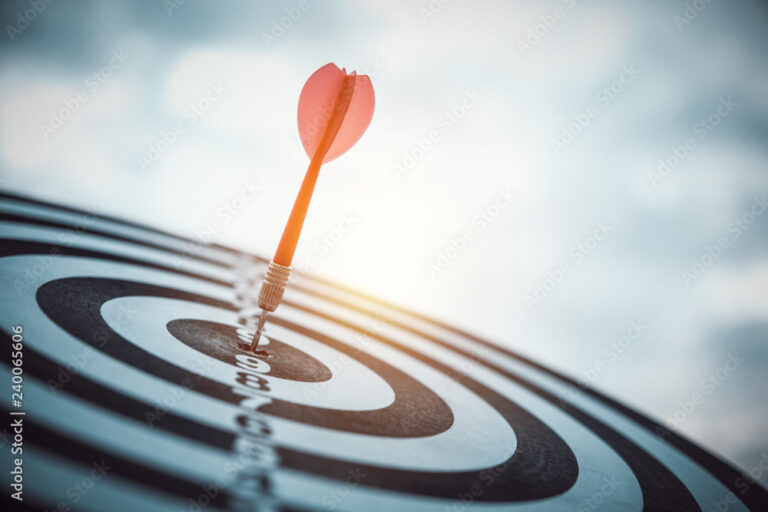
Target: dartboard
x,y
140,392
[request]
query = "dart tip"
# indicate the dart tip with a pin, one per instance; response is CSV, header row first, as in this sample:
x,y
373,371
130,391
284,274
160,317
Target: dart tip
x,y
259,329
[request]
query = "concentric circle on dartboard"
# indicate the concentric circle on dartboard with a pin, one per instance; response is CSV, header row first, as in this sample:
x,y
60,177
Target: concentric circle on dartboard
x,y
134,367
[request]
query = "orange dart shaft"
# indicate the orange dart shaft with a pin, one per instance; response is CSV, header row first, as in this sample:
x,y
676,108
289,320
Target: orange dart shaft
x,y
290,238
287,245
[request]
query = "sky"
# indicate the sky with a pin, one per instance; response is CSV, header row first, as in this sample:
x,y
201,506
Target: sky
x,y
581,181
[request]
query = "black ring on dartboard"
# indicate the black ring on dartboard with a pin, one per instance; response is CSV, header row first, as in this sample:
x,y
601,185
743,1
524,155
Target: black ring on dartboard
x,y
754,496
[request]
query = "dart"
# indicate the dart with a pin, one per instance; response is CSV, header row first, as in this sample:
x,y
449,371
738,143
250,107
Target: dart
x,y
335,108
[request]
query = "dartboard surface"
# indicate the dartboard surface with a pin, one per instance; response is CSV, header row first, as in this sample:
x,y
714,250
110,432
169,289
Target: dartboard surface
x,y
138,394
